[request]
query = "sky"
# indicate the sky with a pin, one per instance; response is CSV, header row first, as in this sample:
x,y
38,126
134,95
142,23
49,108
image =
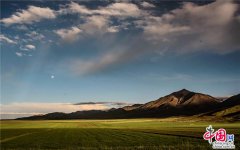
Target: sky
x,y
55,54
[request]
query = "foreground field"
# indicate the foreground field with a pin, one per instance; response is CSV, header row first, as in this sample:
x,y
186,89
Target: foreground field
x,y
109,134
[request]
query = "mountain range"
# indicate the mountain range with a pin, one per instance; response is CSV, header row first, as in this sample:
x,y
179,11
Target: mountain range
x,y
180,103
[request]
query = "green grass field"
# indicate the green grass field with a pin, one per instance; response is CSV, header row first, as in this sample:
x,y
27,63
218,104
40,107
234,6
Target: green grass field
x,y
110,134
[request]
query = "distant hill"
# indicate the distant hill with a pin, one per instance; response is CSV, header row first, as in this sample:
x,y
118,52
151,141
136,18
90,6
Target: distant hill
x,y
227,108
180,103
132,107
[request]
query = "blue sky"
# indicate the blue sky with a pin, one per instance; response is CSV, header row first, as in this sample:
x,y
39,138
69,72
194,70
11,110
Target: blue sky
x,y
120,51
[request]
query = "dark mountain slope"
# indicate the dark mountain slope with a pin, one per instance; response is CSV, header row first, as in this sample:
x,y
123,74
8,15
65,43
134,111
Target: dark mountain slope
x,y
227,108
180,99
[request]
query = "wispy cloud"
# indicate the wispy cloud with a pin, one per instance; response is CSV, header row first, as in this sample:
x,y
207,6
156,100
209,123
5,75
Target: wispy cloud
x,y
168,77
28,47
114,9
97,21
196,28
109,104
3,38
106,60
19,54
33,35
93,25
34,108
213,27
147,5
30,15
182,30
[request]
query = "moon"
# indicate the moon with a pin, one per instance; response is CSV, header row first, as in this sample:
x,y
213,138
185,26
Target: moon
x,y
52,76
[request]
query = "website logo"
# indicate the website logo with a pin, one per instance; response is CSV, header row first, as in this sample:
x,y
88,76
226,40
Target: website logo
x,y
222,139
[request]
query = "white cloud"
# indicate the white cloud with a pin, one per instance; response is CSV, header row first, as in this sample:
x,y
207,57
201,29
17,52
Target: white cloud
x,y
147,5
212,27
97,21
19,54
114,9
193,28
69,35
120,9
28,47
190,28
3,38
32,14
31,47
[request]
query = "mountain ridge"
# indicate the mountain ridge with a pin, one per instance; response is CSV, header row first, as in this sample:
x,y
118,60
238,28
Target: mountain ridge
x,y
179,103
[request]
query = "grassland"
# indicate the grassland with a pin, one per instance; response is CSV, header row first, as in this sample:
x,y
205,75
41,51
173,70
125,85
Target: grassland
x,y
173,133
